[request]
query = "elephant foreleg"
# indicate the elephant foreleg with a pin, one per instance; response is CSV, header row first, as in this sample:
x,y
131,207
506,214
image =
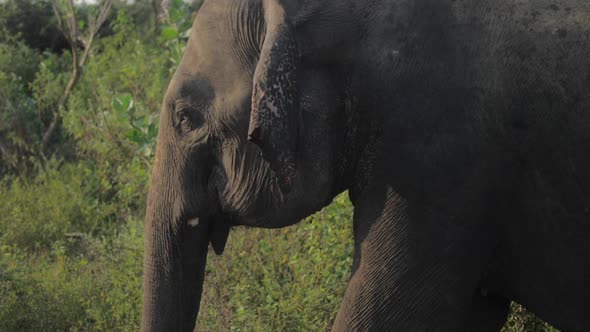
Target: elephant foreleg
x,y
413,270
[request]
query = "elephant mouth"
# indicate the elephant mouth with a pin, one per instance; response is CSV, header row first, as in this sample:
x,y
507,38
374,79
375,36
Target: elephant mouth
x,y
215,223
217,226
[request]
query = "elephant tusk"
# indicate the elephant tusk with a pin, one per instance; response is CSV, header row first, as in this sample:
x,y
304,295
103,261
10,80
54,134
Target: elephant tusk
x,y
193,222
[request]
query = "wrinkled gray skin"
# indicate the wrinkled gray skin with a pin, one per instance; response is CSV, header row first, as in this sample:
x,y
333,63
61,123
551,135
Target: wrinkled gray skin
x,y
460,127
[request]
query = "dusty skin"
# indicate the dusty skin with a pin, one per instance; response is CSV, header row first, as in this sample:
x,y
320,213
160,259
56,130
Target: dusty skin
x,y
461,129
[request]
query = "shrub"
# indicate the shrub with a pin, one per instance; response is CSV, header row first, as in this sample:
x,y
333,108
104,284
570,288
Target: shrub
x,y
72,198
93,285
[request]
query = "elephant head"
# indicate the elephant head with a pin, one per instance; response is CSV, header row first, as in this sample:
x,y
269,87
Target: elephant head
x,y
248,134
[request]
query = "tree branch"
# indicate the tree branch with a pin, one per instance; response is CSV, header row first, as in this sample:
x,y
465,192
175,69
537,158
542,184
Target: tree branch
x,y
72,34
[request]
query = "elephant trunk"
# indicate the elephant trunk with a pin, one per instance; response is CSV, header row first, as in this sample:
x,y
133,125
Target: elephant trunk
x,y
173,275
175,255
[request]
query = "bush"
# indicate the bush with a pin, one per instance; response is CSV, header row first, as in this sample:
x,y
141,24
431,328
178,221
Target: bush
x,y
31,21
521,320
82,284
18,116
72,198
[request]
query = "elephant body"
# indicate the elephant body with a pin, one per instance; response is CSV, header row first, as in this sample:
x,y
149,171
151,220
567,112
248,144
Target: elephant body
x,y
460,128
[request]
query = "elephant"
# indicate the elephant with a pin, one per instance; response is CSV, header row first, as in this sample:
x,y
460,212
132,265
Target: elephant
x,y
460,129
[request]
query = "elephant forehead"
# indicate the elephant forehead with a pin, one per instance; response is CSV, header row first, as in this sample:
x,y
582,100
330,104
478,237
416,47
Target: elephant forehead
x,y
195,87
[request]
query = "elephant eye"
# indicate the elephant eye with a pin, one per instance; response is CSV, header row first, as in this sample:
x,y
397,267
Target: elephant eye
x,y
182,120
187,115
182,116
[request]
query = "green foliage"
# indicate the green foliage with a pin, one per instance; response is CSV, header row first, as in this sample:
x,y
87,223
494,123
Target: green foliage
x,y
18,59
144,129
521,320
95,119
18,112
82,284
50,80
36,213
70,222
177,29
32,22
114,112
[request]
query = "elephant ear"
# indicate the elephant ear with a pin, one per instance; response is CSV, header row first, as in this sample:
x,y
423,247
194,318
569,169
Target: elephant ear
x,y
275,115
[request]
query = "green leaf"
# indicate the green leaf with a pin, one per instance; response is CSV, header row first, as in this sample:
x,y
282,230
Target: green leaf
x,y
140,122
135,135
176,15
169,33
123,103
152,131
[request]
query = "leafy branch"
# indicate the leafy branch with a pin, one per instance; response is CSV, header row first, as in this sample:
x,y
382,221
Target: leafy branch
x,y
67,23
